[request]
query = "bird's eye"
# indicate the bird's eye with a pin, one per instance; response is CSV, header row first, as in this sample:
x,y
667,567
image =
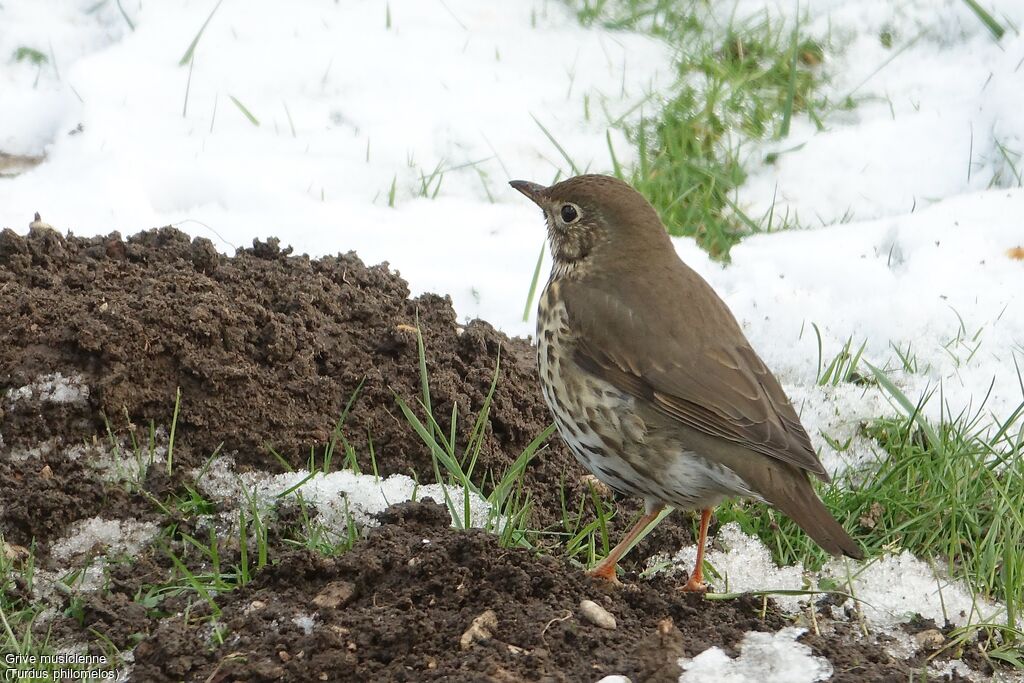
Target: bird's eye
x,y
570,214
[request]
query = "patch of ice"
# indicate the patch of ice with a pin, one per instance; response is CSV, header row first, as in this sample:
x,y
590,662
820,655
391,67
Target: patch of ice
x,y
338,496
763,658
343,494
890,590
307,622
956,667
743,564
115,536
893,588
52,388
23,454
221,481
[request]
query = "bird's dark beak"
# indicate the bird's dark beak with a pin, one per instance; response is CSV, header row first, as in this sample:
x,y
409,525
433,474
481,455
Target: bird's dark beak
x,y
533,191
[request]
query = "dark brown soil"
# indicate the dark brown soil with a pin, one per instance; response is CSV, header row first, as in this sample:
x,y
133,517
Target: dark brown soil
x,y
267,348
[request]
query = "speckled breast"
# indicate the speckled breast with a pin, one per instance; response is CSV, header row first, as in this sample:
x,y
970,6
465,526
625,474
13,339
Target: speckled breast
x,y
595,419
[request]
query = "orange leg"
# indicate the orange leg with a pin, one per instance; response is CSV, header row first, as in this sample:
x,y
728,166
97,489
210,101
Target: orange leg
x,y
605,569
696,583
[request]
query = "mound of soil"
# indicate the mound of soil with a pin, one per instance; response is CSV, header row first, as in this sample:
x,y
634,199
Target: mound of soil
x,y
267,349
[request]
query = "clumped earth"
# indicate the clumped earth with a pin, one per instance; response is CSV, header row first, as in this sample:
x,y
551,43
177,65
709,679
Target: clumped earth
x,y
267,349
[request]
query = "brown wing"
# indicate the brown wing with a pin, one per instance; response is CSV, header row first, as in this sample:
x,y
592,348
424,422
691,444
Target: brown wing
x,y
690,360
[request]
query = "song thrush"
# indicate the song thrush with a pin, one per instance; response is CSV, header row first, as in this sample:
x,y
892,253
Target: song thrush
x,y
650,379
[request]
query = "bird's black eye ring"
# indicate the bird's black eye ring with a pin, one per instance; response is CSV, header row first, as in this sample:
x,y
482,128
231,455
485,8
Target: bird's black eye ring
x,y
570,213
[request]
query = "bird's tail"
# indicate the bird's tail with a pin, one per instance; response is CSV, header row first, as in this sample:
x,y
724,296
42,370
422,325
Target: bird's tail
x,y
799,501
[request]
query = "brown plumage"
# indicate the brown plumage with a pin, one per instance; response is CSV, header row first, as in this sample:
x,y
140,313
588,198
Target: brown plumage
x,y
650,378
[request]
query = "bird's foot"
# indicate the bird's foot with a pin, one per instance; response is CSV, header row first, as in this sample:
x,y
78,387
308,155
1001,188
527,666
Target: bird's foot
x,y
694,585
606,572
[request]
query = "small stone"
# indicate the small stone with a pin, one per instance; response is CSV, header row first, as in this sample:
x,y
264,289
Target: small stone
x,y
284,656
481,629
334,595
597,615
15,553
323,676
257,605
46,472
929,639
600,488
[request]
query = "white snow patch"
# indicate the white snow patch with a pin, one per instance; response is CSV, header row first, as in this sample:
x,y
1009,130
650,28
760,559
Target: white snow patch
x,y
307,622
958,667
114,536
744,564
338,496
894,588
890,590
763,658
932,110
52,388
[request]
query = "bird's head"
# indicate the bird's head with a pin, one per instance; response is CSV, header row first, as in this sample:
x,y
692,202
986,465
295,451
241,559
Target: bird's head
x,y
595,216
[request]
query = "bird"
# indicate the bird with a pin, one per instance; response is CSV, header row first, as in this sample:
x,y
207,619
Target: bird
x,y
650,379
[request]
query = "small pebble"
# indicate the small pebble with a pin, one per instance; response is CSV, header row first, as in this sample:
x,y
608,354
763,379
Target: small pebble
x,y
334,595
597,615
481,629
930,639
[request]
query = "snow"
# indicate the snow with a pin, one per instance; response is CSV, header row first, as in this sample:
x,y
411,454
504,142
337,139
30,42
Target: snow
x,y
113,536
763,658
343,494
53,388
888,590
338,496
743,564
307,622
894,588
931,111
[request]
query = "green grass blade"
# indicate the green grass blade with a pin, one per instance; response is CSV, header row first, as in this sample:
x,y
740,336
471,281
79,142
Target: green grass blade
x,y
533,284
187,57
245,111
994,27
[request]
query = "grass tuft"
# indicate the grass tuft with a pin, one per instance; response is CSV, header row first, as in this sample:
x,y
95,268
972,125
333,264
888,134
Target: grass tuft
x,y
454,466
747,81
